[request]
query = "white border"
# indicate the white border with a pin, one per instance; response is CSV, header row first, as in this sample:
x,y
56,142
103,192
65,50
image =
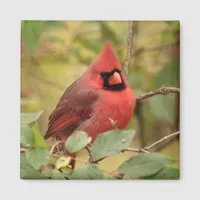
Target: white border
x,y
188,13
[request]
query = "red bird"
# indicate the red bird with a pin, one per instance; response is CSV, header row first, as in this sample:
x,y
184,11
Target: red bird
x,y
100,94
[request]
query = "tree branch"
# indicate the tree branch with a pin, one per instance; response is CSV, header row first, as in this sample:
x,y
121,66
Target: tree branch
x,y
163,90
90,159
162,140
164,143
135,150
129,48
142,150
146,149
52,151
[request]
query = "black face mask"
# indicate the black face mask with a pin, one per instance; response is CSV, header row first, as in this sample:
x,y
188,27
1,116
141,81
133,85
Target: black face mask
x,y
106,86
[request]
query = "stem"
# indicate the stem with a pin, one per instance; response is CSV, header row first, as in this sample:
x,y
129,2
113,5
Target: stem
x,y
129,48
162,140
55,145
163,90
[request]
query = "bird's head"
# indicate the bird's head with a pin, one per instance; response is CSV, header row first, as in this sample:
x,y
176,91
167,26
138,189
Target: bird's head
x,y
105,71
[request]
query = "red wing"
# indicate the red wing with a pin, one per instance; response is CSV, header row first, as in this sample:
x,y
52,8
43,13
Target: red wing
x,y
75,106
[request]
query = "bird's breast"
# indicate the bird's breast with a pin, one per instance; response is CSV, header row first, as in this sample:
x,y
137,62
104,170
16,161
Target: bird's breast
x,y
112,108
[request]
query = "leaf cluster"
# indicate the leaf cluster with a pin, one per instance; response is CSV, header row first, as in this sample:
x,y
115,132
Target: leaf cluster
x,y
37,162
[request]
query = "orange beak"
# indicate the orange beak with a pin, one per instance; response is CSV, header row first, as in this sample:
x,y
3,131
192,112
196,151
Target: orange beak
x,y
115,79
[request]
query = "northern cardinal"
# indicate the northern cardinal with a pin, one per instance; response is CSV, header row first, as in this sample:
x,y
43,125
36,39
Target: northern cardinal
x,y
89,104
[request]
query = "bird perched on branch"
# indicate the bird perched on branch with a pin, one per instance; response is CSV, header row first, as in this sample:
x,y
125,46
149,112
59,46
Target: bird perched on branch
x,y
90,104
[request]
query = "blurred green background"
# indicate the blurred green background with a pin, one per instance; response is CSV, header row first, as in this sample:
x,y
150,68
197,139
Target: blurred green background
x,y
55,53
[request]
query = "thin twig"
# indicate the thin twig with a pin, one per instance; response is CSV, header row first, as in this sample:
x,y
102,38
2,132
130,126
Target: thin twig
x,y
78,160
163,90
90,159
81,161
162,140
97,161
103,170
129,48
135,150
165,143
145,149
55,145
127,149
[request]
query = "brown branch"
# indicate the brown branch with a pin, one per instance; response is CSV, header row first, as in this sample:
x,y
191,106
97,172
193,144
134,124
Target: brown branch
x,y
96,161
146,149
81,161
142,150
164,143
127,149
162,140
135,150
163,90
129,48
52,151
90,159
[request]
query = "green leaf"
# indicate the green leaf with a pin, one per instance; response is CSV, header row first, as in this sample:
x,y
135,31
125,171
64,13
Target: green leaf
x,y
31,31
90,172
168,173
38,140
111,143
77,141
144,164
67,173
163,108
37,157
28,118
126,177
26,136
169,75
27,172
57,175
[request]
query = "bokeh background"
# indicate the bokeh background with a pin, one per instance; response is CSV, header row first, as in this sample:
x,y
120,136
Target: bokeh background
x,y
62,50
